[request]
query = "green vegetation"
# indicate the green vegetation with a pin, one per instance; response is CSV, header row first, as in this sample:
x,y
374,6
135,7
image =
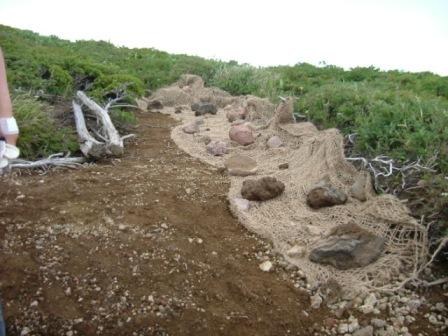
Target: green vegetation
x,y
40,135
400,114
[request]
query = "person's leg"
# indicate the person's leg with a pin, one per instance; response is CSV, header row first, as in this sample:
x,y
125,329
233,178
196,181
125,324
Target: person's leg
x,y
8,125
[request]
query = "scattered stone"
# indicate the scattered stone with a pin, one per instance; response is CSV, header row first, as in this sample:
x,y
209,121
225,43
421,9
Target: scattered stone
x,y
237,114
241,134
316,301
266,266
296,251
262,189
155,105
25,331
178,110
274,142
122,227
217,148
324,195
284,113
353,325
202,108
240,165
348,246
283,166
205,139
358,189
378,323
343,328
366,331
191,127
241,204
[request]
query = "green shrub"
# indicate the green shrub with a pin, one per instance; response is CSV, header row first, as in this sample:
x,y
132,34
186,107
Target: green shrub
x,y
40,134
398,124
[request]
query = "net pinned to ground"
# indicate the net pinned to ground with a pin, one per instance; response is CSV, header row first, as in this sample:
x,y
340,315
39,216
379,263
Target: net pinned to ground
x,y
328,221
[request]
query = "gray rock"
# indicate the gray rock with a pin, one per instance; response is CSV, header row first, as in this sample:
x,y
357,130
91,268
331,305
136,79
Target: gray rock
x,y
241,204
324,195
217,148
262,189
316,301
202,108
274,142
366,331
283,165
348,246
191,127
240,165
378,323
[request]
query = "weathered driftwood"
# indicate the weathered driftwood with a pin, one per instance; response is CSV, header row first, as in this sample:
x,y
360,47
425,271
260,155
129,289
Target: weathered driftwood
x,y
89,146
114,143
55,160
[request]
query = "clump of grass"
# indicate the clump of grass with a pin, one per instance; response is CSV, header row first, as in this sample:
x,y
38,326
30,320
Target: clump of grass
x,y
40,134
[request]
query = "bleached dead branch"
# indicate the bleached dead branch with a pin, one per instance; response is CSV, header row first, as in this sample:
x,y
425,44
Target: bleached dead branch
x,y
55,160
384,166
114,143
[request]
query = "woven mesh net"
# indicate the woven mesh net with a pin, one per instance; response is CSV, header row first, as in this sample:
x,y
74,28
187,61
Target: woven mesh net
x,y
287,220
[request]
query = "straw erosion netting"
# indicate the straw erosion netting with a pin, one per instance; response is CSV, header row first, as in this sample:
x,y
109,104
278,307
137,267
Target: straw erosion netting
x,y
287,220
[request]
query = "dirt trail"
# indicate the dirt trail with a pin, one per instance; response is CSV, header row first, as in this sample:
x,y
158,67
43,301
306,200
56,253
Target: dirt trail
x,y
144,245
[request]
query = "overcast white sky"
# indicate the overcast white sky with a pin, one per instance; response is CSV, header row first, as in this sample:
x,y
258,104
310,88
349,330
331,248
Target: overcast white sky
x,y
407,35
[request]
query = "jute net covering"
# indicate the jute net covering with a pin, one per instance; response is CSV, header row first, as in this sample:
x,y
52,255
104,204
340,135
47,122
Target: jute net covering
x,y
287,220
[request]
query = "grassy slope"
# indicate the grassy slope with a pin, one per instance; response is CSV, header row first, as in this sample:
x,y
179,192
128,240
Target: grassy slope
x,y
400,114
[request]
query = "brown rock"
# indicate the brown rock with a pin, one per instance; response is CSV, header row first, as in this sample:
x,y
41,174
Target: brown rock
x,y
284,113
323,195
283,165
262,189
155,104
242,134
236,114
240,165
358,189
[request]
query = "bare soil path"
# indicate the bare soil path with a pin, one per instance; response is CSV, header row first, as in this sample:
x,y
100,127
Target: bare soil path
x,y
143,246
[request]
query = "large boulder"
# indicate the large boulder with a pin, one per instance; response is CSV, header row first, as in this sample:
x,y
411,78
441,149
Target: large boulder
x,y
348,246
324,194
240,165
217,148
262,189
202,108
241,134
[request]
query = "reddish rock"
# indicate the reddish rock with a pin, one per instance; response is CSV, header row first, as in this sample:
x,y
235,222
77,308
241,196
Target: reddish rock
x,y
242,134
217,148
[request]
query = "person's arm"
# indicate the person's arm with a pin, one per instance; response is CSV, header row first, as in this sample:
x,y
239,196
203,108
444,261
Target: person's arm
x,y
8,125
5,99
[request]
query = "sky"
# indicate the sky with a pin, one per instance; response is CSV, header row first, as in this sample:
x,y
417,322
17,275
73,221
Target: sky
x,y
408,35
